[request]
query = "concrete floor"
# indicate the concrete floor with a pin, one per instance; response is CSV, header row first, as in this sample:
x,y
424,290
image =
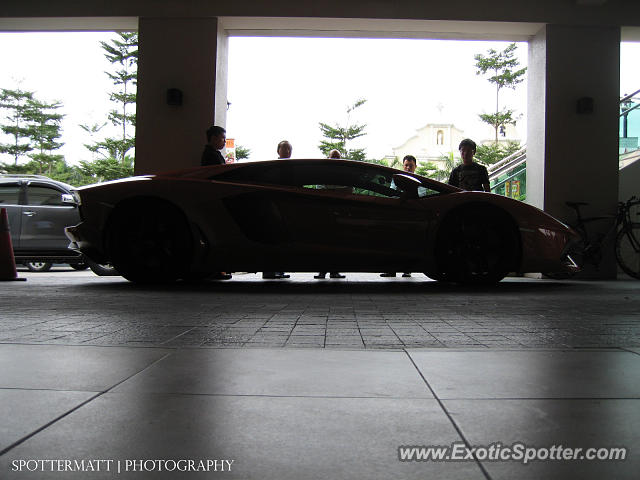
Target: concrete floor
x,y
314,379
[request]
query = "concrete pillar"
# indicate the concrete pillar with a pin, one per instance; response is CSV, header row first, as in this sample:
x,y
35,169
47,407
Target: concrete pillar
x,y
186,54
572,149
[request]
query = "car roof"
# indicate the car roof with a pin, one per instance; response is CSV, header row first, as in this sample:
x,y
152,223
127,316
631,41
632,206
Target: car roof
x,y
12,178
214,170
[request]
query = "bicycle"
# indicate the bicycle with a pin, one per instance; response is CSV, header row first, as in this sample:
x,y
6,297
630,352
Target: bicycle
x,y
589,249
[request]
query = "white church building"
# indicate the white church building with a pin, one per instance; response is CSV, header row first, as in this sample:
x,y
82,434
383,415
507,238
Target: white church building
x,y
432,141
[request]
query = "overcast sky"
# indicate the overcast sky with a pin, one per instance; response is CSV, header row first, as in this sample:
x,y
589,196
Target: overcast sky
x,y
283,87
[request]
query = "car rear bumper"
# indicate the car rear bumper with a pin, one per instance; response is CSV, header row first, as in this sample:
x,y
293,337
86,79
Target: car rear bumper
x,y
85,243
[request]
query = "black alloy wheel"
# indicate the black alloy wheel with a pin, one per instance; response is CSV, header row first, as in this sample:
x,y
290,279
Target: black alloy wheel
x,y
477,245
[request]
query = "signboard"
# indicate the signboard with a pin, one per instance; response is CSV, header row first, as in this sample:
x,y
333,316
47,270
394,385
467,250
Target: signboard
x,y
515,189
512,189
230,147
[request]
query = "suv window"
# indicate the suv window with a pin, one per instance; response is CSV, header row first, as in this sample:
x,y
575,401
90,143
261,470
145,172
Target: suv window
x,y
9,194
41,195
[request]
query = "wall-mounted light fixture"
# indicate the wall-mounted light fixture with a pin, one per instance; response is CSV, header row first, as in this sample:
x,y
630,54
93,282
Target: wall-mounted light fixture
x,y
174,96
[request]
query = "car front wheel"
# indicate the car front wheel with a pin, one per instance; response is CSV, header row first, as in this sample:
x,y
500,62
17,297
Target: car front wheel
x,y
477,244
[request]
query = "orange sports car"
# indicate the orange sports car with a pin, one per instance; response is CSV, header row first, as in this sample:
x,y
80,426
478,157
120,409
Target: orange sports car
x,y
311,216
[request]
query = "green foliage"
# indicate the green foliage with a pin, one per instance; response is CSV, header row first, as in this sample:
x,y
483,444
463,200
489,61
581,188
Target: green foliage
x,y
122,52
35,127
17,115
490,154
338,136
93,131
385,162
45,131
242,152
104,169
502,68
58,170
436,171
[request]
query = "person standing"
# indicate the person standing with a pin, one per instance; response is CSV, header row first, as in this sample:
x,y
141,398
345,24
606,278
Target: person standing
x,y
284,150
409,164
335,154
216,140
469,175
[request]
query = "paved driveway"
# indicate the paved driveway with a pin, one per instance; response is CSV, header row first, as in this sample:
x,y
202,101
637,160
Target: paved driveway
x,y
363,311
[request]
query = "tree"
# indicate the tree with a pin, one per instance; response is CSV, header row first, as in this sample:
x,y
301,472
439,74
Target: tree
x,y
44,131
490,154
123,53
501,66
16,103
432,170
93,130
242,152
338,136
104,169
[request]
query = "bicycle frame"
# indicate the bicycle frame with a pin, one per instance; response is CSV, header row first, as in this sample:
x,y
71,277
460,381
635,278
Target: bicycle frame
x,y
591,247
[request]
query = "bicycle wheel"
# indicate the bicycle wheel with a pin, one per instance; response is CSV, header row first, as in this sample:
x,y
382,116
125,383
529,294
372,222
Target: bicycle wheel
x,y
628,250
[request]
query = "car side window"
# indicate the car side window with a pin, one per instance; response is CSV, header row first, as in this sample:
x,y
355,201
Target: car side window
x,y
345,179
9,194
45,196
348,178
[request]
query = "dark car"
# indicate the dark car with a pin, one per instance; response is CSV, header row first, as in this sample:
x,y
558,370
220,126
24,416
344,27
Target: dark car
x,y
39,209
310,216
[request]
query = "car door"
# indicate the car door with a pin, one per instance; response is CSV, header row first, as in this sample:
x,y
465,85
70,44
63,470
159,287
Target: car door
x,y
355,213
44,217
11,194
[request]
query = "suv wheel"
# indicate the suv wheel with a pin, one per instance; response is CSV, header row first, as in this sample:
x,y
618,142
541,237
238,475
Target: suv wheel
x,y
38,266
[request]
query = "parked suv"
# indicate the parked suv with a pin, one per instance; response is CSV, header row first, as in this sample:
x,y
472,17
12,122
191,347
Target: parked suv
x,y
39,209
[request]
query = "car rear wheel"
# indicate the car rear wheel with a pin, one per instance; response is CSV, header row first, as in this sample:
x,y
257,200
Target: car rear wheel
x,y
38,266
476,244
149,241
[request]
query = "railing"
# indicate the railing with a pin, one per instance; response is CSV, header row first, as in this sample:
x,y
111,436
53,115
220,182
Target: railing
x,y
629,123
508,177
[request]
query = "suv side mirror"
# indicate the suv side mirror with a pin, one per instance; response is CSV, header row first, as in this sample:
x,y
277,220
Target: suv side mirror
x,y
68,199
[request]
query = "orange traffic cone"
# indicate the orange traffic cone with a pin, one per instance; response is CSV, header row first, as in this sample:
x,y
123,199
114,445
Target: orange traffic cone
x,y
7,261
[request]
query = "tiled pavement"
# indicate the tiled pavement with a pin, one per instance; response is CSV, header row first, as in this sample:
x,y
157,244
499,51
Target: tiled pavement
x,y
361,312
339,375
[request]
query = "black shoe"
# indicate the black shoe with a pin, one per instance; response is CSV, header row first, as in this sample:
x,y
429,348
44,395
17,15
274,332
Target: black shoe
x,y
336,275
388,274
269,275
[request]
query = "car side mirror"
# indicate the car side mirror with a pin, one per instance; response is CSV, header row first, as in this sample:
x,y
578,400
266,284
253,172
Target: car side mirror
x,y
408,184
68,199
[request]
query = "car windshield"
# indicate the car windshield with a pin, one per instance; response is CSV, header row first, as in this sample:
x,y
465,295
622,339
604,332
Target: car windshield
x,y
339,176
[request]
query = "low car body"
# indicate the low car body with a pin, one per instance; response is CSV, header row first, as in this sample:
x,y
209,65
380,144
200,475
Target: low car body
x,y
311,215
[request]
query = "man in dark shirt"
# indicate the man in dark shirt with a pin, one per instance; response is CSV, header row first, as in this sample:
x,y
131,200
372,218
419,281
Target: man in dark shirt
x,y
469,175
216,139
